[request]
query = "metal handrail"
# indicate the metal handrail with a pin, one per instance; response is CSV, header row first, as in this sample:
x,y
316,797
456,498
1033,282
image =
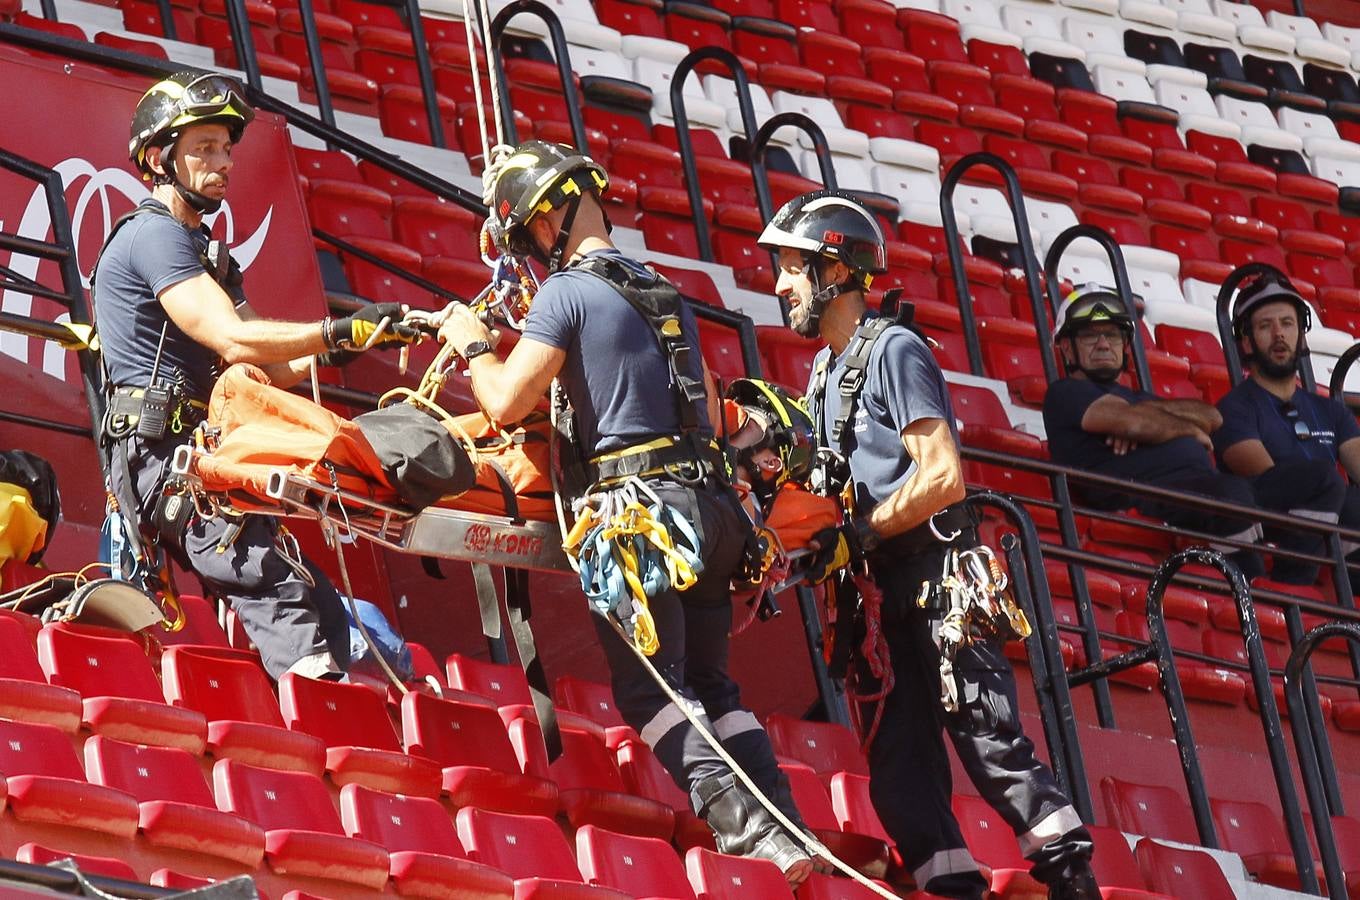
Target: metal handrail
x,y
1121,285
62,250
321,84
1023,552
686,144
1016,198
1223,313
562,55
1319,779
1337,385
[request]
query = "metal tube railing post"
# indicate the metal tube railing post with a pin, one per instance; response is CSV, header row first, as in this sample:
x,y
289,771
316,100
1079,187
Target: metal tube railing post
x,y
241,36
1015,196
834,701
411,10
320,83
561,53
1121,285
1312,705
1314,779
1046,665
1268,712
686,143
1081,594
1337,385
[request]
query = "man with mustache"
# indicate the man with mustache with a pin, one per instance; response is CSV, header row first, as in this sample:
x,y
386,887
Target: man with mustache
x,y
1093,422
170,312
1285,440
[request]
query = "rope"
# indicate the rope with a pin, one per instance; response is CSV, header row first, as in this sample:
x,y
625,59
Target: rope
x,y
810,843
874,649
468,18
332,536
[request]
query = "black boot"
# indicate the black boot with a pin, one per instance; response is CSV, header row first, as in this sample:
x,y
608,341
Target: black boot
x,y
742,827
1077,883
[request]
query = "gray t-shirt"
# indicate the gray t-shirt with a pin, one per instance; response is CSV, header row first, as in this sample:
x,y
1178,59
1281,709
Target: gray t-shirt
x,y
615,374
903,384
147,255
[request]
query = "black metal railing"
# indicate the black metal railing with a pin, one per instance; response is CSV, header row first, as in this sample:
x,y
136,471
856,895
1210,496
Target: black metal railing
x,y
1028,260
562,55
1316,770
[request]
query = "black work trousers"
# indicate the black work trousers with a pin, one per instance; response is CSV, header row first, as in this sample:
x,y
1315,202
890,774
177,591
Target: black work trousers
x,y
1313,490
909,774
287,619
1220,486
692,629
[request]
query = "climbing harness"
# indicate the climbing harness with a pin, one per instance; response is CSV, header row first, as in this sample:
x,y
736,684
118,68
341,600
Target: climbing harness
x,y
973,594
630,546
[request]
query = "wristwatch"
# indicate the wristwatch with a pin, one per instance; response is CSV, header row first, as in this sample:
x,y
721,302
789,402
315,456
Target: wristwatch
x,y
475,349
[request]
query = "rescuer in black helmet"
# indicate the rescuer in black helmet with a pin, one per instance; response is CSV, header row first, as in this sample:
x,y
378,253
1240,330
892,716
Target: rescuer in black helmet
x,y
625,347
878,398
171,310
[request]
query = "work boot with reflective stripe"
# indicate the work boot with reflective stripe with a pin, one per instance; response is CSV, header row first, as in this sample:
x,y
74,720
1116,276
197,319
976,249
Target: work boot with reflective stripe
x,y
742,827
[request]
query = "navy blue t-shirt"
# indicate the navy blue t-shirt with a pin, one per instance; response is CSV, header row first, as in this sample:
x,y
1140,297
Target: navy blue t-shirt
x,y
615,365
1069,444
149,254
902,385
1250,412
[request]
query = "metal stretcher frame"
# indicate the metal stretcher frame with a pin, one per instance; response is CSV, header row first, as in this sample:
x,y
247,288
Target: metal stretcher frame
x,y
435,531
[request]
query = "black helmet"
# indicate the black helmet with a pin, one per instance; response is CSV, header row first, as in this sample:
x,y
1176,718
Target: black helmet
x,y
786,427
1271,286
1087,305
535,178
832,224
184,99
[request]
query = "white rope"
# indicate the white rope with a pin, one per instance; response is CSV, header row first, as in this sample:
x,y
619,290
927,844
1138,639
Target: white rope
x,y
810,843
469,15
332,536
484,18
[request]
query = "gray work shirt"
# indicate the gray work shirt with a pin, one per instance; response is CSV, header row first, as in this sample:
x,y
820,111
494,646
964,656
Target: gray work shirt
x,y
903,385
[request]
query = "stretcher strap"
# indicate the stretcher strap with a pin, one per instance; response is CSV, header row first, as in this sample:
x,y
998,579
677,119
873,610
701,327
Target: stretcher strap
x,y
518,611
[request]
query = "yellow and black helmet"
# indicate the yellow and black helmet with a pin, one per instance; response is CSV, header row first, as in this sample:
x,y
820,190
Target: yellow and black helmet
x,y
785,424
1087,305
536,178
184,99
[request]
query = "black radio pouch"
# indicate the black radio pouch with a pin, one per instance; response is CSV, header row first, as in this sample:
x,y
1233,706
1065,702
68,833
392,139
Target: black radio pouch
x,y
155,414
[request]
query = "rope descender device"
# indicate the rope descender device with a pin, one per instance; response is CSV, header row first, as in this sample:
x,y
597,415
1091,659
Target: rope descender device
x,y
630,546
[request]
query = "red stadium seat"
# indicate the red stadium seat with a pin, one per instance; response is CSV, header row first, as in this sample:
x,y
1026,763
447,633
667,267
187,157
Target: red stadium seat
x,y
1149,810
121,695
176,806
591,699
108,867
201,628
787,357
1230,161
24,692
1254,832
1168,150
435,227
641,866
1163,199
1097,185
46,786
427,859
716,876
825,746
590,789
502,683
693,283
985,424
361,745
1115,867
993,844
1180,872
479,764
864,852
721,347
530,849
871,23
243,716
303,836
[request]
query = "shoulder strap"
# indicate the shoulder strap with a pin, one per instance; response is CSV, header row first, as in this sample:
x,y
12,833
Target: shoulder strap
x,y
852,379
659,303
118,223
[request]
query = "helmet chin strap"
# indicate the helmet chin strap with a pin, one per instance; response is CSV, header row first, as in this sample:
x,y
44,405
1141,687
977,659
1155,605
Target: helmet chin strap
x,y
553,260
200,203
821,296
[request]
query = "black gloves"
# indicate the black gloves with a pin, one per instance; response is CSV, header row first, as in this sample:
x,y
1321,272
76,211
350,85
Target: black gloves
x,y
838,547
353,332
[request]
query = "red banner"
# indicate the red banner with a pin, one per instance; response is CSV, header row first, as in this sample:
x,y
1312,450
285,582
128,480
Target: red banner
x,y
73,117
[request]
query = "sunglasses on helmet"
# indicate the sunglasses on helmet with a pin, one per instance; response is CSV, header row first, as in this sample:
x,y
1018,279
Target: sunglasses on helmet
x,y
212,94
